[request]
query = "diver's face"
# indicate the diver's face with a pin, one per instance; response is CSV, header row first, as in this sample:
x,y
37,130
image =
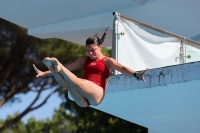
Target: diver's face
x,y
93,50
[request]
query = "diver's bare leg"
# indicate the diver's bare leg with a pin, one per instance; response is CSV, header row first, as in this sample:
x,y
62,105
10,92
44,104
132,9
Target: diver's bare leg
x,y
78,98
88,89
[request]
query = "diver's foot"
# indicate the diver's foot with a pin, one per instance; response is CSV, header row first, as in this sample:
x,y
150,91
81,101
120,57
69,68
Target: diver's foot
x,y
57,65
48,63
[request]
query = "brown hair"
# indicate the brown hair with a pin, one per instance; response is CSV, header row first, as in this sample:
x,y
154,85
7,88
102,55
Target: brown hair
x,y
95,40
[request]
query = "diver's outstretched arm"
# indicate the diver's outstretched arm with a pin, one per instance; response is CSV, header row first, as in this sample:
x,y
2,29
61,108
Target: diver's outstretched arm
x,y
41,73
112,63
78,63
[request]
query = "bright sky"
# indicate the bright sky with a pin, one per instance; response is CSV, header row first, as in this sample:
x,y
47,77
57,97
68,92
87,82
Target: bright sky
x,y
43,112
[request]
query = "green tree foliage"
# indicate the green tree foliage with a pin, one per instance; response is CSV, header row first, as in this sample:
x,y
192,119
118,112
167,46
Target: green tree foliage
x,y
57,124
66,122
18,51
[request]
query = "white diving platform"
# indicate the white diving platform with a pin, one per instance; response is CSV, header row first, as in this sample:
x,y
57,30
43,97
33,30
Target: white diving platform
x,y
168,102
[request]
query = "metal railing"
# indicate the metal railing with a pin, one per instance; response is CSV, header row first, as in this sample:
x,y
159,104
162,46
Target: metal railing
x,y
183,39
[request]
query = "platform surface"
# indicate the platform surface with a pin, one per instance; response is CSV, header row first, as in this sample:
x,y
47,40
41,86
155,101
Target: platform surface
x,y
168,102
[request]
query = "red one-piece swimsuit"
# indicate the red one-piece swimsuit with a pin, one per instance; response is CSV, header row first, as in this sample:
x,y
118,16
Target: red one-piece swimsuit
x,y
96,71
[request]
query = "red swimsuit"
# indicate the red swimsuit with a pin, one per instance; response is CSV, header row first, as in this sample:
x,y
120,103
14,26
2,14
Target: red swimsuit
x,y
96,71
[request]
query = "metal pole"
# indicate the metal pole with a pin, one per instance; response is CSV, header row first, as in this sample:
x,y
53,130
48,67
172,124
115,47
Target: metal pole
x,y
115,42
191,42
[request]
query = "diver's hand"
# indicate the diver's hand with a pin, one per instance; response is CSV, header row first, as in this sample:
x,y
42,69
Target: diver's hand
x,y
141,75
39,73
